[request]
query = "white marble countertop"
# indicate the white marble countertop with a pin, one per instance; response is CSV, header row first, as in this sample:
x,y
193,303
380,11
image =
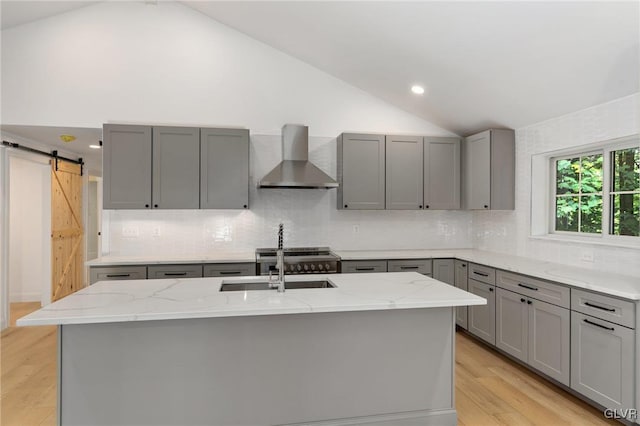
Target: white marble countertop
x,y
144,300
619,285
213,257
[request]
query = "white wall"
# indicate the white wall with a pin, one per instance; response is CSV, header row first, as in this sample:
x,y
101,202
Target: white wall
x,y
29,230
508,232
166,63
131,62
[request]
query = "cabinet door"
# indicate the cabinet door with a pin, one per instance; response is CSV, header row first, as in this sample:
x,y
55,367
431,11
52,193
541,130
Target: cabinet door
x,y
512,319
444,270
174,271
113,273
361,172
404,174
421,266
602,361
441,173
126,167
224,168
176,168
477,161
482,318
461,282
549,340
229,269
363,266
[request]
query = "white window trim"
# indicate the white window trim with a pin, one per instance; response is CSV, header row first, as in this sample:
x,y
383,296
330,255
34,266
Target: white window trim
x,y
542,224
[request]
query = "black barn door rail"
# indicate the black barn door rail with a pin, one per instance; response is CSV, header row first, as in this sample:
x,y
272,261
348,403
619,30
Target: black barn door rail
x,y
53,154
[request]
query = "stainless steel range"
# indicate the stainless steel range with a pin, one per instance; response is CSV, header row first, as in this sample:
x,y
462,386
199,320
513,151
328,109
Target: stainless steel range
x,y
299,260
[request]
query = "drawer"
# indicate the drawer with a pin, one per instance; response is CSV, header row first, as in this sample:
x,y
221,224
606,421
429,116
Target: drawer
x,y
174,271
482,273
542,290
363,266
112,273
422,266
604,307
229,269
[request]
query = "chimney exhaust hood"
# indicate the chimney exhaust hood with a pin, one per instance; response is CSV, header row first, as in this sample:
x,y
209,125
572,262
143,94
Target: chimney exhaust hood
x,y
295,170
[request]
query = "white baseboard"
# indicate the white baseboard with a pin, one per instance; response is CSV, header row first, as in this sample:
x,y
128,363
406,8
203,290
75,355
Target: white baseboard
x,y
25,297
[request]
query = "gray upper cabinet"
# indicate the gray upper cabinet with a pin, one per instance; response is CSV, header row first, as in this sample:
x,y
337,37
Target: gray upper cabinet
x,y
444,270
176,175
361,171
441,173
224,168
489,170
126,166
404,174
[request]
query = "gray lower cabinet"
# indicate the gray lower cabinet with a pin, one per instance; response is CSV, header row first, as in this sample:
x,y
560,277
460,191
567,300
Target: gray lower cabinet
x,y
176,175
224,168
482,318
421,266
126,166
534,332
602,361
444,270
460,281
363,266
174,271
404,173
489,170
112,273
229,269
361,171
441,173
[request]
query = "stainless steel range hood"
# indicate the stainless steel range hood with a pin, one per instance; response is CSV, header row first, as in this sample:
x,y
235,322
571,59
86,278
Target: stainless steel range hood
x,y
295,170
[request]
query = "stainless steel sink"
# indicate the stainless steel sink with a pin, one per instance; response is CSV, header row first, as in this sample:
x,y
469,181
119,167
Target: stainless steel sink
x,y
264,285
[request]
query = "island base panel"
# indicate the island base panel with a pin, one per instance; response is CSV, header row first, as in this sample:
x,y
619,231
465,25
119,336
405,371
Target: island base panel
x,y
391,367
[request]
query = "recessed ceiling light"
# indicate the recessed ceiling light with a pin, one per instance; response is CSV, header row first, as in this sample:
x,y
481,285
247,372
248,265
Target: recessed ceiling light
x,y
95,146
418,90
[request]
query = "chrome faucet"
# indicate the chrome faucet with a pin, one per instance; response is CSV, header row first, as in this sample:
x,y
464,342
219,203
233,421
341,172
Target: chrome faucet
x,y
279,262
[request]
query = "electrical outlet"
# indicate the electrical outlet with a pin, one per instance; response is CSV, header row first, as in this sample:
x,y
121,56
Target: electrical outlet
x,y
130,231
356,229
156,231
587,256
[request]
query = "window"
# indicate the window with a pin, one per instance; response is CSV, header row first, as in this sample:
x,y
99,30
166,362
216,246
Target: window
x,y
595,192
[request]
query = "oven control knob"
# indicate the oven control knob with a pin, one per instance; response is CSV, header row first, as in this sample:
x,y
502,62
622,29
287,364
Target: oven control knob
x,y
298,267
313,267
327,267
306,267
320,267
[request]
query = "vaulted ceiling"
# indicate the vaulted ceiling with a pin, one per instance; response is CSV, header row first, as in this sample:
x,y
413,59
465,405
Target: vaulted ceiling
x,y
482,64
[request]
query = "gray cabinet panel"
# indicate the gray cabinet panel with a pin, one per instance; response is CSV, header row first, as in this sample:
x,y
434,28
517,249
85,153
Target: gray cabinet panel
x,y
489,170
361,171
512,326
113,273
482,273
174,271
602,360
605,307
532,287
550,340
421,266
229,269
176,168
482,318
441,173
126,165
224,168
404,173
478,171
363,266
444,270
461,282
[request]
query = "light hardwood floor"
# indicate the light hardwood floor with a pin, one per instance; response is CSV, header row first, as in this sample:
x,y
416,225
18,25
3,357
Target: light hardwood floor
x,y
490,389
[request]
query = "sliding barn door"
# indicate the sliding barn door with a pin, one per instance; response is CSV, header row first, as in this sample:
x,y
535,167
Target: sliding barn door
x,y
67,235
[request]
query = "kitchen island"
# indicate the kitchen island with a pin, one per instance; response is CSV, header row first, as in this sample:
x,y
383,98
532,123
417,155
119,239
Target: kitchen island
x,y
376,349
